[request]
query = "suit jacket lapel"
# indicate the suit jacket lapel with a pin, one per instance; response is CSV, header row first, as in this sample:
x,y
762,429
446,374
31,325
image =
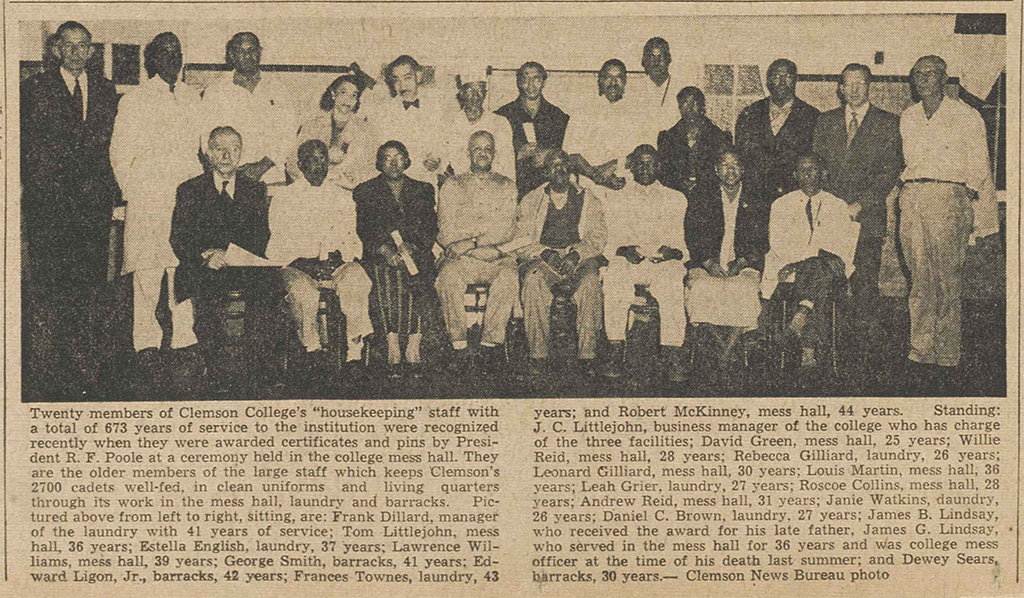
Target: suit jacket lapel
x,y
864,128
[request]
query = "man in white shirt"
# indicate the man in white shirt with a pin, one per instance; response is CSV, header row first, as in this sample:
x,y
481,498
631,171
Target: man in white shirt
x,y
646,245
472,86
308,222
946,186
607,129
152,151
811,240
413,117
657,91
253,104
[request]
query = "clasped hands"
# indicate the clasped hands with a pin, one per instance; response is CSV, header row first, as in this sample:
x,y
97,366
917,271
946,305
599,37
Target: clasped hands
x,y
665,253
564,265
732,268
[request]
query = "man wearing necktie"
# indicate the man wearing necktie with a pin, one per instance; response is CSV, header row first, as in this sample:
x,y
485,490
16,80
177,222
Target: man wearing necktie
x,y
863,155
412,116
812,240
68,190
213,211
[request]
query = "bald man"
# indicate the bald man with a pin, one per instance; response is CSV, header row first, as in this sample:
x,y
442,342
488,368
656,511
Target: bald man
x,y
476,216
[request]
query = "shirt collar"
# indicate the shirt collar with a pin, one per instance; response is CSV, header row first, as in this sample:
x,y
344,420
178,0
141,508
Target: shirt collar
x,y
861,113
725,196
773,108
69,80
218,183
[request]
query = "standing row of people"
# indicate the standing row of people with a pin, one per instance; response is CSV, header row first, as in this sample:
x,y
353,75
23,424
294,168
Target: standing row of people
x,y
673,206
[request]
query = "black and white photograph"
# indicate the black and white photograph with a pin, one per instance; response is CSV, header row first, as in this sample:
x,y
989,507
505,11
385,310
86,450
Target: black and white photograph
x,y
700,205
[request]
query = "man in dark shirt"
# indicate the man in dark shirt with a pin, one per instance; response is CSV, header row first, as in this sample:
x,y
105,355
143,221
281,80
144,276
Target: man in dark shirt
x,y
537,126
772,133
689,150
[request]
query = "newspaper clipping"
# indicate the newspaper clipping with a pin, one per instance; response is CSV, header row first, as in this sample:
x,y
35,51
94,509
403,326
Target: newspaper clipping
x,y
478,299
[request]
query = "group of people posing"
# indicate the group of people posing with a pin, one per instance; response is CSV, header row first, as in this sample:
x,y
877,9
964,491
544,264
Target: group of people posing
x,y
398,205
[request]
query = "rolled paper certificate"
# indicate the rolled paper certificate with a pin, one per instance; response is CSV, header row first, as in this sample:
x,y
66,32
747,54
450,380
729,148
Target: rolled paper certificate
x,y
410,265
531,134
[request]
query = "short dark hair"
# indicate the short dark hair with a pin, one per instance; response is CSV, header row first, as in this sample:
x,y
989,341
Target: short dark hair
x,y
612,62
307,148
150,53
688,92
785,63
224,130
855,66
813,156
71,26
729,149
327,98
555,153
398,145
234,41
389,71
657,41
643,148
521,71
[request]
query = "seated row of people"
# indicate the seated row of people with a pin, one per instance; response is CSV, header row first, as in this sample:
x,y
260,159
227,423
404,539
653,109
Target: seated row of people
x,y
700,258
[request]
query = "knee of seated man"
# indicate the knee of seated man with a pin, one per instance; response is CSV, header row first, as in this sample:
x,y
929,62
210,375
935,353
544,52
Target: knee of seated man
x,y
452,273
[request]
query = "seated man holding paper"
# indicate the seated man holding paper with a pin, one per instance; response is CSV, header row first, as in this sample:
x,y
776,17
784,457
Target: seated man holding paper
x,y
313,234
476,219
812,239
220,219
565,226
646,245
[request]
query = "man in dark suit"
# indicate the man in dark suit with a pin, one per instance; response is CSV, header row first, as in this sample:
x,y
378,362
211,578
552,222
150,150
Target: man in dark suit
x,y
771,133
689,150
863,155
68,189
211,212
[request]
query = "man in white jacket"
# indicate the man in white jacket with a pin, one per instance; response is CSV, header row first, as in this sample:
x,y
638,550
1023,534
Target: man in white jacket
x,y
152,151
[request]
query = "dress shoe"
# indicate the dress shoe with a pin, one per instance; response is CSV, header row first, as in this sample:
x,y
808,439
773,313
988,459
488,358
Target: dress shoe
x,y
147,374
491,360
186,371
612,367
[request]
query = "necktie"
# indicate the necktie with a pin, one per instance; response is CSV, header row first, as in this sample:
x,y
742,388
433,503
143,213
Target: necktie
x,y
225,195
413,104
810,215
852,131
79,100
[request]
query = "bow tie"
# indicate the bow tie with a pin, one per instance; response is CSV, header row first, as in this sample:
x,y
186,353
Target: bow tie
x,y
414,104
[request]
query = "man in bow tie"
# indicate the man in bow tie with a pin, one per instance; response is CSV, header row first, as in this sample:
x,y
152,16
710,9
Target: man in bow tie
x,y
412,116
